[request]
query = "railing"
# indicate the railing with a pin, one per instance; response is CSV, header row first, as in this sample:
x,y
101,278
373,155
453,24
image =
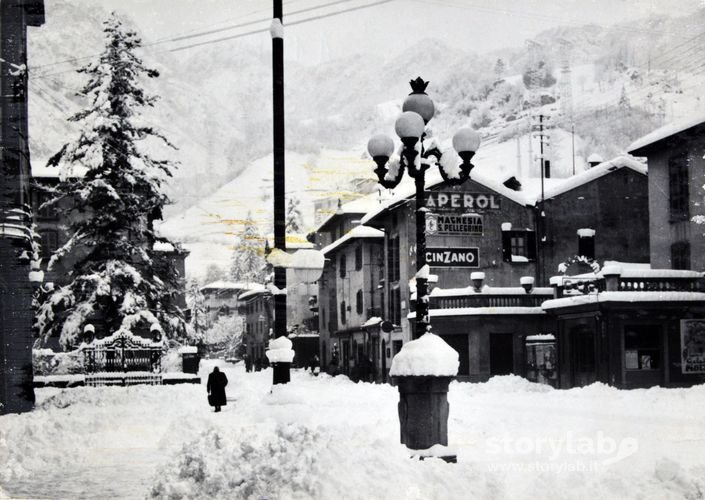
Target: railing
x,y
660,285
616,283
479,300
122,352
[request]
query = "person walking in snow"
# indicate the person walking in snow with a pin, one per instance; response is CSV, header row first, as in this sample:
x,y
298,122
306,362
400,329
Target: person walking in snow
x,y
216,388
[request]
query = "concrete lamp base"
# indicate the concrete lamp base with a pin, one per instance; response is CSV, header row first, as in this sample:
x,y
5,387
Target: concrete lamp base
x,y
423,414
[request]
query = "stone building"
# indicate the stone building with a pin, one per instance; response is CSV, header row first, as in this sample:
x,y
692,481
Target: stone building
x,y
676,160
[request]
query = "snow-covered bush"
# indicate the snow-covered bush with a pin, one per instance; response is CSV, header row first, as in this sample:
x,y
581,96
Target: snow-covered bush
x,y
48,362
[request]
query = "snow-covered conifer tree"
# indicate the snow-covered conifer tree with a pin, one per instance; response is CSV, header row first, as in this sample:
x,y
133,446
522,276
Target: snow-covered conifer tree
x,y
294,218
117,279
197,304
248,264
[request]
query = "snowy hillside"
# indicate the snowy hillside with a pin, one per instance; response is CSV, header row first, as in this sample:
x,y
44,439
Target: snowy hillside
x,y
211,228
625,80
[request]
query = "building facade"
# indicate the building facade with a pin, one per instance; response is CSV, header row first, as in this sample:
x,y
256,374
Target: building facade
x,y
350,309
676,164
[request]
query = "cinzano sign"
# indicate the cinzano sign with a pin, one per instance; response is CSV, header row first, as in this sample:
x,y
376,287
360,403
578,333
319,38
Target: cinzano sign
x,y
453,257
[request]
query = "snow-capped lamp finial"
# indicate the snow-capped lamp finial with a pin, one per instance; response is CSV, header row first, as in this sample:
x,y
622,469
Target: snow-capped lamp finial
x,y
418,101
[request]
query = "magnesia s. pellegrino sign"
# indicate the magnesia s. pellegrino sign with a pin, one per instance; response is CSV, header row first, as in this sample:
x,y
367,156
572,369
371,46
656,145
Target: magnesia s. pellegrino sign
x,y
453,257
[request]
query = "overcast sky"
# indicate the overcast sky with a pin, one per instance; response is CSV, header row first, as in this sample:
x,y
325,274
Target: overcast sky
x,y
387,27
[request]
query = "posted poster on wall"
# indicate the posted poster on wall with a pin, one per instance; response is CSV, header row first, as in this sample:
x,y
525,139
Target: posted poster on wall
x,y
693,345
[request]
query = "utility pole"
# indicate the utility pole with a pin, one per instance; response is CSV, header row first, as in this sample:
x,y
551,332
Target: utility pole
x,y
19,265
541,219
281,374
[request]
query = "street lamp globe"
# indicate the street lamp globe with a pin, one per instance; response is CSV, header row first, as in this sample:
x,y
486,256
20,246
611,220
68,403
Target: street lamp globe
x,y
418,101
380,146
409,125
466,141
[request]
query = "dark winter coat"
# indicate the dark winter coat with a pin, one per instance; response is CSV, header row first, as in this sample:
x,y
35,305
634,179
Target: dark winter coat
x,y
216,388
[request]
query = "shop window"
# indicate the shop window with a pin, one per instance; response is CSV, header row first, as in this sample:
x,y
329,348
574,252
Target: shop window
x,y
342,269
642,347
358,258
680,255
519,246
396,346
358,302
678,187
396,306
343,319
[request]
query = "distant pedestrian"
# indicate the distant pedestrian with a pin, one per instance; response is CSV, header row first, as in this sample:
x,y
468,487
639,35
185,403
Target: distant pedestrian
x,y
313,364
216,388
248,363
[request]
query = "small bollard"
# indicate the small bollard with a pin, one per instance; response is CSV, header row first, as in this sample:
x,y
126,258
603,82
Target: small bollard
x,y
280,356
281,373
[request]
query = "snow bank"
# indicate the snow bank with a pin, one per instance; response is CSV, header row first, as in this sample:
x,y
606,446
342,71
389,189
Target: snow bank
x,y
427,355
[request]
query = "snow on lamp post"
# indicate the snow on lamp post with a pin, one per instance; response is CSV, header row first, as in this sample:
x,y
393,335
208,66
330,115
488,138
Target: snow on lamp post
x,y
423,404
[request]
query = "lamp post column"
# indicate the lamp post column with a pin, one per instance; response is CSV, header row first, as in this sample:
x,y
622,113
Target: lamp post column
x,y
281,373
422,317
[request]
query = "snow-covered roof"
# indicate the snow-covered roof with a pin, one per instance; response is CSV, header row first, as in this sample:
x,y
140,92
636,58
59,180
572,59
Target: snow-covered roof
x,y
232,285
356,232
359,206
594,173
252,292
529,194
293,241
407,190
664,132
628,297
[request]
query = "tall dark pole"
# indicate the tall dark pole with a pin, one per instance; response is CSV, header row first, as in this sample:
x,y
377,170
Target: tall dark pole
x,y
422,319
277,32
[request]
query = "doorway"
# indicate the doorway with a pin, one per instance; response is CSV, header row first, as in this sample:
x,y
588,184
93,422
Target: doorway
x,y
501,354
584,366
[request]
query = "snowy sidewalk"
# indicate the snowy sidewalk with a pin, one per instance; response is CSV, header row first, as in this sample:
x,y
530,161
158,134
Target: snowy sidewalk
x,y
323,438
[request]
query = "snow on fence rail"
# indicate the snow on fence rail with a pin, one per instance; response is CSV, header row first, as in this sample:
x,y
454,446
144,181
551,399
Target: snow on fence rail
x,y
123,378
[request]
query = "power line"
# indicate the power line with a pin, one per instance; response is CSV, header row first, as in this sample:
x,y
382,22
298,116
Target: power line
x,y
185,36
294,23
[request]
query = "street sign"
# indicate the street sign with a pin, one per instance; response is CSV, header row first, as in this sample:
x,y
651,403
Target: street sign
x,y
431,223
453,257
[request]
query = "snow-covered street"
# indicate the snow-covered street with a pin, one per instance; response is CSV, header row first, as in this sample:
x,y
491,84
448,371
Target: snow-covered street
x,y
323,437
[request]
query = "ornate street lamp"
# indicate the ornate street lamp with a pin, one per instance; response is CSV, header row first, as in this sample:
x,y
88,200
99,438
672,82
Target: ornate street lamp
x,y
417,154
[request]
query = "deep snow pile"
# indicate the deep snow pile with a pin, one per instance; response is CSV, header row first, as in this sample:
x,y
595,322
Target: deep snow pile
x,y
323,437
